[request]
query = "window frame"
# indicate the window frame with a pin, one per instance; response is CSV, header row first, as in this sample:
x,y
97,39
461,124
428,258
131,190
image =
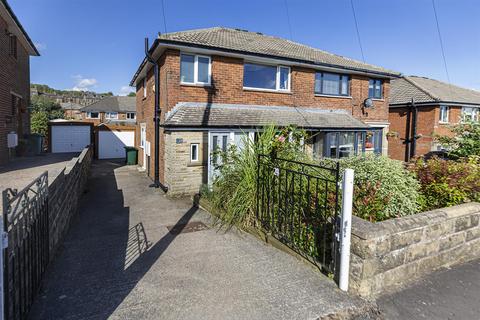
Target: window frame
x,y
134,115
89,115
340,87
375,81
108,115
197,147
144,87
475,113
277,77
444,113
195,69
13,46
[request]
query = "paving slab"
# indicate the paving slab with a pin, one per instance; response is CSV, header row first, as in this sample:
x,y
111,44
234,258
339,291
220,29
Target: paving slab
x,y
452,293
120,261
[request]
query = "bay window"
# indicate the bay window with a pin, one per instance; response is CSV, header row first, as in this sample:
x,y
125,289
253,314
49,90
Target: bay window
x,y
470,114
331,84
195,69
268,77
341,144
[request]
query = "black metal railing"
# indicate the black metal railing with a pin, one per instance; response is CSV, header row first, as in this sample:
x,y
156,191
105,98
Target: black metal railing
x,y
25,219
298,204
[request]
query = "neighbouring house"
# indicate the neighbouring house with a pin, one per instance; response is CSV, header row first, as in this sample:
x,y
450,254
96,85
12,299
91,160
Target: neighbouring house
x,y
72,110
114,110
16,47
218,85
420,109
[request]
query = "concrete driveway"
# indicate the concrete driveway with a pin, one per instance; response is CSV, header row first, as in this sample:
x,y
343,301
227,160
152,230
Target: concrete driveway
x,y
120,261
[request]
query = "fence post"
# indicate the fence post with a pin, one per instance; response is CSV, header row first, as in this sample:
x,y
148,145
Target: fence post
x,y
346,228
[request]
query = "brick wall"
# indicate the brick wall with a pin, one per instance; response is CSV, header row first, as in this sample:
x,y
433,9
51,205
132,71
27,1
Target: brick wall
x,y
181,175
392,253
227,87
14,77
427,126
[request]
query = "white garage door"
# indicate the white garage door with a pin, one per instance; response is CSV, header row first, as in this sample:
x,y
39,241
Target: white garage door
x,y
111,144
70,138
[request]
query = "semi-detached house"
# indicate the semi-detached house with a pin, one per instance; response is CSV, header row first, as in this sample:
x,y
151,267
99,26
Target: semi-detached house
x,y
219,84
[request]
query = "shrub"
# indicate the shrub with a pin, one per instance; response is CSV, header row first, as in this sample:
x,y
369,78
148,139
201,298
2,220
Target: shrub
x,y
465,142
447,183
383,188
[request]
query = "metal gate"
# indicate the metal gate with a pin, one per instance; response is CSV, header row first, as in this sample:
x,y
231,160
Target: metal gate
x,y
25,223
298,204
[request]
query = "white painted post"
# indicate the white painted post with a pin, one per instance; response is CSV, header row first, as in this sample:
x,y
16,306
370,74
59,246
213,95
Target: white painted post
x,y
346,228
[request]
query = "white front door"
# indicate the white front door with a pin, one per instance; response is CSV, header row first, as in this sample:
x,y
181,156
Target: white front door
x,y
218,141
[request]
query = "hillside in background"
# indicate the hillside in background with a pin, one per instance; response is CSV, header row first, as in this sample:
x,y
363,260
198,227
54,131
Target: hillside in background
x,y
83,98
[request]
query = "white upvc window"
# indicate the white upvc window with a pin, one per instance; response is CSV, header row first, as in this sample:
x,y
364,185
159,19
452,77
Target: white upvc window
x,y
266,77
470,114
195,69
93,115
131,115
444,114
194,152
111,115
143,134
144,87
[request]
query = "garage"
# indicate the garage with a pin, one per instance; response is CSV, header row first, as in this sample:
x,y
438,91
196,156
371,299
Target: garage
x,y
69,136
112,142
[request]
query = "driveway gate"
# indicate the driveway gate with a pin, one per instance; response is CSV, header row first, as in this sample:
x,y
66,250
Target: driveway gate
x,y
298,204
25,223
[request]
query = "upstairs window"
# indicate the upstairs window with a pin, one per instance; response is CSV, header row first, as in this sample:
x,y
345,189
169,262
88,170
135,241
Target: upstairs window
x,y
131,116
13,46
195,69
111,115
444,113
145,87
375,89
93,115
470,114
331,84
259,76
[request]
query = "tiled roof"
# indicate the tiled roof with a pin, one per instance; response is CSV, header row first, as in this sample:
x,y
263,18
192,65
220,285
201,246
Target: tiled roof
x,y
113,104
429,90
258,43
192,114
70,106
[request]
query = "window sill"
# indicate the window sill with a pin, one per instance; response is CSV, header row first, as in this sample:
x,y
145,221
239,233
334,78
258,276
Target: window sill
x,y
201,85
443,123
196,164
378,99
267,90
332,96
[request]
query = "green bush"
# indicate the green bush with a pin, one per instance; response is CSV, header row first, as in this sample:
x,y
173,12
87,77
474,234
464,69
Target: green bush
x,y
446,183
465,142
383,188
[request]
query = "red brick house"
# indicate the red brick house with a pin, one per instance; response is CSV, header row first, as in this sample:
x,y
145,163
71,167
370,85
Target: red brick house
x,y
15,50
219,84
422,108
115,110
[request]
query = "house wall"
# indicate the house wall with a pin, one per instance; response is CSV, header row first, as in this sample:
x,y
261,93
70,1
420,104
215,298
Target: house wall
x,y
227,87
14,77
121,116
428,126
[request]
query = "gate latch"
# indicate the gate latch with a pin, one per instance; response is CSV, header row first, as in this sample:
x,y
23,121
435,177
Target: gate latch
x,y
4,240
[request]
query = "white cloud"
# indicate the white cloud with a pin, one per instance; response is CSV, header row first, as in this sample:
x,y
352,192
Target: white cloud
x,y
84,84
40,46
125,90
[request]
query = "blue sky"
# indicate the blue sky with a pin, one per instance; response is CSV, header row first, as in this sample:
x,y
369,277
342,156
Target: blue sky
x,y
98,45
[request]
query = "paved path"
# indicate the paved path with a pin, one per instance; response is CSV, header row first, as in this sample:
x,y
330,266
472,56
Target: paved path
x,y
447,294
104,269
21,171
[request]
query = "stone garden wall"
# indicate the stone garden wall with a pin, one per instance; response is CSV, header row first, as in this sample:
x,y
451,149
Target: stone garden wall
x,y
389,254
63,195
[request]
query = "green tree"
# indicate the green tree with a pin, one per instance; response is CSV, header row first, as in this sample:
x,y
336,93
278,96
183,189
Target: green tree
x,y
43,110
465,142
131,94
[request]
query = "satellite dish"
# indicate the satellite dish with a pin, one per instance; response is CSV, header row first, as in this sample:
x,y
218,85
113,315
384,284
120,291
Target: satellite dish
x,y
368,103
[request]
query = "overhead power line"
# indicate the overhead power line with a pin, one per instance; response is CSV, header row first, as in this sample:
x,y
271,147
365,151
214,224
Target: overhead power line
x,y
358,32
441,41
288,21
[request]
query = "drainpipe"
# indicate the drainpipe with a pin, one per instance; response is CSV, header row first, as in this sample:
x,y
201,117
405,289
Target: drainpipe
x,y
414,129
156,181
